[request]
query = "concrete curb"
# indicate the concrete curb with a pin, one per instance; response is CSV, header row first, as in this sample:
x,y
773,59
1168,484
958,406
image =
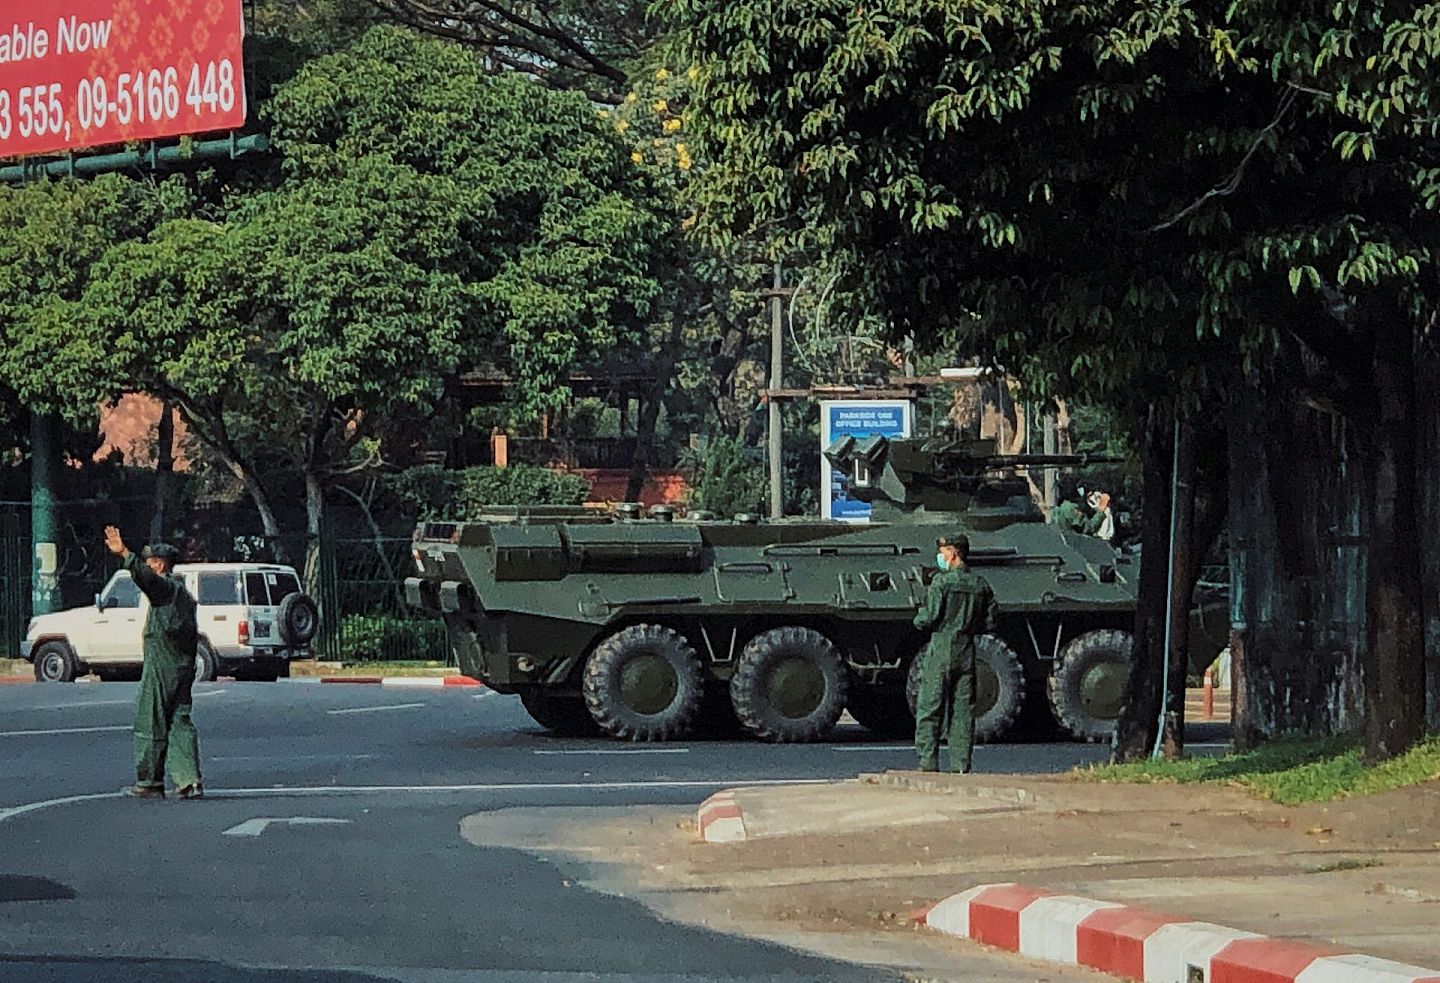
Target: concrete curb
x,y
1141,945
720,819
964,786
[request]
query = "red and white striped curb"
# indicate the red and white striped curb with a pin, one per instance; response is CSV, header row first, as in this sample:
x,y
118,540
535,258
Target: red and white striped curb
x,y
411,682
720,819
1141,945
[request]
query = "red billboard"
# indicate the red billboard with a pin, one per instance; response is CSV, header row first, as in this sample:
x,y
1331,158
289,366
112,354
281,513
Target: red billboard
x,y
81,73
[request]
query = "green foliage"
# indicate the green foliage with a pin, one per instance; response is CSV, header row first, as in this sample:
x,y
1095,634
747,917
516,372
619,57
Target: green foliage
x,y
1289,771
434,492
725,478
386,638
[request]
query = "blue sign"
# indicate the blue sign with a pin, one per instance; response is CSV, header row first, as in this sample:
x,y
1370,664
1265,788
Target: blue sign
x,y
855,418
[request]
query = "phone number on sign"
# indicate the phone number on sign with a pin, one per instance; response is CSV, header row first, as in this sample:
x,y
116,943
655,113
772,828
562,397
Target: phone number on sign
x,y
47,110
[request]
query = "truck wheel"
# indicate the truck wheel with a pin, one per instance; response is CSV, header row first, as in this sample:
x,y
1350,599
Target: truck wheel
x,y
789,685
999,688
207,663
882,710
644,683
299,619
56,663
1087,688
564,716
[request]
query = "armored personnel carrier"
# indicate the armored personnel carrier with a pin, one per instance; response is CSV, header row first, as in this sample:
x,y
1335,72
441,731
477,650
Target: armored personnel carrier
x,y
650,626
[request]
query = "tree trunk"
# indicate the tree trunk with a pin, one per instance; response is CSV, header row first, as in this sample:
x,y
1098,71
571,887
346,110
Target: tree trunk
x,y
649,415
1135,732
164,469
314,527
1298,521
1395,652
1428,502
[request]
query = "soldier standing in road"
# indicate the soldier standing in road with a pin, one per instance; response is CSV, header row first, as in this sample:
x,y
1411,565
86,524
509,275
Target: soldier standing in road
x,y
959,606
162,711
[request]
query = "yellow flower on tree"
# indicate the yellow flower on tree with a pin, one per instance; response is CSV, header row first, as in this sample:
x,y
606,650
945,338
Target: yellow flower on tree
x,y
682,157
662,75
660,105
621,125
670,125
637,157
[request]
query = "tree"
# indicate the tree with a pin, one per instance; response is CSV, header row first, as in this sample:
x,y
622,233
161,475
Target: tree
x,y
1115,196
568,44
426,217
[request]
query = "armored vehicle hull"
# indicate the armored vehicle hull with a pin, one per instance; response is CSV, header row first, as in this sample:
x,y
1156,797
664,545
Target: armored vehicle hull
x,y
655,628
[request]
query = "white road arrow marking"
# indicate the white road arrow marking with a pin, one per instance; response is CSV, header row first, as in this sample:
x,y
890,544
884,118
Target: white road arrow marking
x,y
254,827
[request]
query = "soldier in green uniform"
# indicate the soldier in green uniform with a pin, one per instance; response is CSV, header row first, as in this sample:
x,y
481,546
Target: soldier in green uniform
x,y
1070,513
163,729
959,606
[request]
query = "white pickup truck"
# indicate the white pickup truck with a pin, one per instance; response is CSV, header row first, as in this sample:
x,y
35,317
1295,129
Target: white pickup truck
x,y
253,620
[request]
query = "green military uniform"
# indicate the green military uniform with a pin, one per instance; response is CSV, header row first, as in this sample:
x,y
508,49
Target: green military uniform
x,y
1069,515
959,606
162,712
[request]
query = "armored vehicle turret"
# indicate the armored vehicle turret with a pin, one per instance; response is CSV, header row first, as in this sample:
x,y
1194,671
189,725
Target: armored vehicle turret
x,y
652,625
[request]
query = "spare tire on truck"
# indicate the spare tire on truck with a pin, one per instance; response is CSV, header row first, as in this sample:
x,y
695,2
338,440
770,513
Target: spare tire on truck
x,y
299,619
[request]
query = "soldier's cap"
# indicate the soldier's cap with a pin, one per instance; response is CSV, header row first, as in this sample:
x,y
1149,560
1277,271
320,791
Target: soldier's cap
x,y
960,541
160,551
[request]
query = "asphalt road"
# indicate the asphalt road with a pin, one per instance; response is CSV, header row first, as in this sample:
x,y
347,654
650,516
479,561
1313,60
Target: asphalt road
x,y
360,873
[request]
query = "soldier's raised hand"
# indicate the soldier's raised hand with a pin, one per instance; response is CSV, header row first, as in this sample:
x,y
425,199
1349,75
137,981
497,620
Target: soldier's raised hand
x,y
113,542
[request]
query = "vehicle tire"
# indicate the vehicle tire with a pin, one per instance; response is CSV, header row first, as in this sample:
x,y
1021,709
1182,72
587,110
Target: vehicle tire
x,y
644,683
55,662
299,619
999,689
882,710
1087,688
789,685
207,663
562,715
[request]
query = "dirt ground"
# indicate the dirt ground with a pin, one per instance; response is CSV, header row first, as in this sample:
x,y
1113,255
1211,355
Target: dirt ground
x,y
1364,873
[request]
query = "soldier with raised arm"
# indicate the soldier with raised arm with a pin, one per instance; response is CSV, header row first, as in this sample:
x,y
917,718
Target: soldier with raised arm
x,y
164,731
959,606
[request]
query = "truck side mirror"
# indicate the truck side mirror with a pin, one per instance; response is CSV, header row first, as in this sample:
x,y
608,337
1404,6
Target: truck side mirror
x,y
98,605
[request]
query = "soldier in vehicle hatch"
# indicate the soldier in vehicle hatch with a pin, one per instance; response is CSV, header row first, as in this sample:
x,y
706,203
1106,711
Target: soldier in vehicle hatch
x,y
1070,514
163,729
959,606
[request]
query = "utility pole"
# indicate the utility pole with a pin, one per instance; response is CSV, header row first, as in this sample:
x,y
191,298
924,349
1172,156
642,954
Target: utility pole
x,y
44,456
777,379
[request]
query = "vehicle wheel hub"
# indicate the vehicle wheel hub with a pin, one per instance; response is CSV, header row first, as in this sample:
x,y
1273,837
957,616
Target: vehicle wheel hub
x,y
53,666
1102,689
648,684
796,688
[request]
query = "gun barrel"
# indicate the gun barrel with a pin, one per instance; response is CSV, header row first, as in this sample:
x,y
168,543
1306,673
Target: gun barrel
x,y
997,462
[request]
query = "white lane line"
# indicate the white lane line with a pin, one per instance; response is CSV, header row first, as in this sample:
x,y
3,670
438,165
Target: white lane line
x,y
642,750
256,826
281,791
481,696
294,757
62,730
388,706
89,703
210,692
874,747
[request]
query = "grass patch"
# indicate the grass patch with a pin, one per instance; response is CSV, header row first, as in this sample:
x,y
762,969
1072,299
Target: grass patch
x,y
1289,771
412,668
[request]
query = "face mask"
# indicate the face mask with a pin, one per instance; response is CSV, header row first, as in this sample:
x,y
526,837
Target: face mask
x,y
941,562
